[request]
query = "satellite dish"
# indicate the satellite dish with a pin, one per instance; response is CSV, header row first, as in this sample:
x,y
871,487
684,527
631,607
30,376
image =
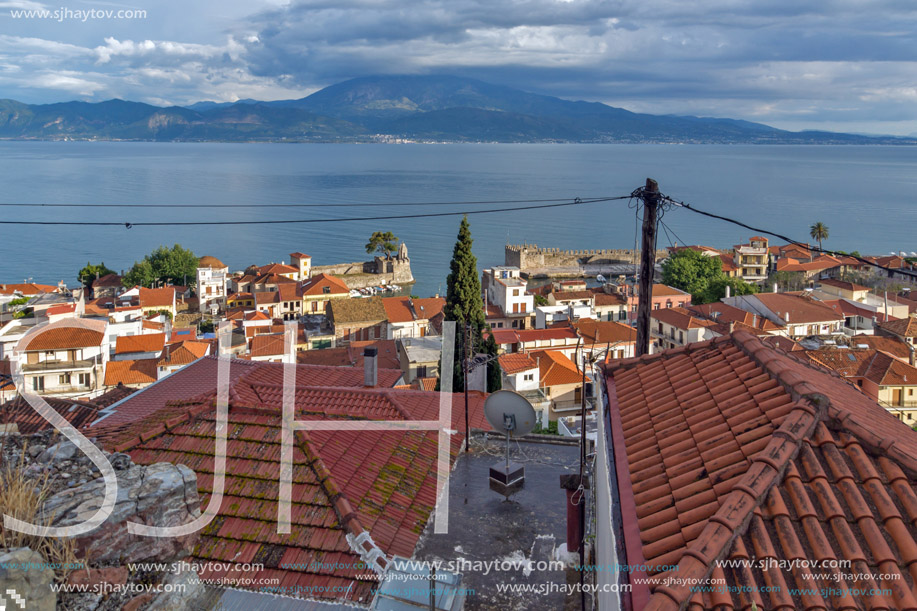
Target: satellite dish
x,y
600,278
510,413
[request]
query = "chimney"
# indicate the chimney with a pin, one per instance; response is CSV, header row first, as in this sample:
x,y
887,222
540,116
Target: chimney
x,y
754,320
370,367
786,316
727,291
732,326
775,287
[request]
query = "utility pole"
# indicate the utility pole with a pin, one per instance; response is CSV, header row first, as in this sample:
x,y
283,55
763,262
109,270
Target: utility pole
x,y
465,368
650,197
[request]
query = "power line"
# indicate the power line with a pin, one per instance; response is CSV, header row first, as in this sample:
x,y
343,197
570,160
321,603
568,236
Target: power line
x,y
786,239
315,205
575,202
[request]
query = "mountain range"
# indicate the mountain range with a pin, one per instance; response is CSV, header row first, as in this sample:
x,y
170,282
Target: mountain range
x,y
385,108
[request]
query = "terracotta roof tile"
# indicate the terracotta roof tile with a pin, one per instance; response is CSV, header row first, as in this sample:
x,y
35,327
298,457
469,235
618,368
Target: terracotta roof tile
x,y
140,371
157,298
148,342
517,362
679,318
28,289
59,336
317,284
905,327
344,482
605,331
405,309
555,368
28,421
763,456
800,309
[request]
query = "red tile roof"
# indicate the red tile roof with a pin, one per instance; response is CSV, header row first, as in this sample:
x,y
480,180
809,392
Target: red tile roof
x,y
543,335
427,384
277,268
28,421
504,336
183,352
608,299
512,363
113,396
782,342
800,309
728,263
605,332
63,308
267,345
344,482
316,285
352,355
106,281
732,449
679,318
573,295
59,336
819,263
905,327
873,365
891,345
555,368
405,309
148,342
28,289
157,298
725,313
139,371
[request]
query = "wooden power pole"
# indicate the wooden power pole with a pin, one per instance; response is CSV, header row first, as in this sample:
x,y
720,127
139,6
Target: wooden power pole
x,y
647,265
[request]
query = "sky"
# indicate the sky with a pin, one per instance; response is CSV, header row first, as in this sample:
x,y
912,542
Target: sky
x,y
838,65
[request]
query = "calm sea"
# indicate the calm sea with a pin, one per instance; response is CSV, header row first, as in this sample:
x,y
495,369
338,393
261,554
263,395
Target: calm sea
x,y
866,196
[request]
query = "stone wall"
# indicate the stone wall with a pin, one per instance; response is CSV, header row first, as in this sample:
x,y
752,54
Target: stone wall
x,y
530,256
358,275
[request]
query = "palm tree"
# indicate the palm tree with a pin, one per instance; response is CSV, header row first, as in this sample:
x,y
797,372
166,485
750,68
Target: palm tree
x,y
819,231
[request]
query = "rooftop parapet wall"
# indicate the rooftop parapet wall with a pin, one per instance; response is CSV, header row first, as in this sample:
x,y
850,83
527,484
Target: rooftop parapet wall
x,y
530,256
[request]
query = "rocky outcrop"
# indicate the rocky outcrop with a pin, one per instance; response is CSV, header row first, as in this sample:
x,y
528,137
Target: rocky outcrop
x,y
25,581
158,495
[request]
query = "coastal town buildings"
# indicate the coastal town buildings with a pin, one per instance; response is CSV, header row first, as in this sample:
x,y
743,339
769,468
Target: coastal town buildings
x,y
508,303
212,280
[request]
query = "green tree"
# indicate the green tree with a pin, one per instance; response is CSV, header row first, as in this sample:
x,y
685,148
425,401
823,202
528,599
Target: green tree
x,y
691,271
89,273
494,372
175,265
819,231
384,243
465,306
716,289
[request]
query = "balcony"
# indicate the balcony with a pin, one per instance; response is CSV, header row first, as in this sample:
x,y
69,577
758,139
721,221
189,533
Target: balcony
x,y
47,366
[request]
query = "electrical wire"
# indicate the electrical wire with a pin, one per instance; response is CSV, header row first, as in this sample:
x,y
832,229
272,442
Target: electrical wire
x,y
322,205
575,202
865,261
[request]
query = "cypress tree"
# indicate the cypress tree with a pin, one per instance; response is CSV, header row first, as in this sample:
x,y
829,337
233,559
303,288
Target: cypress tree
x,y
464,305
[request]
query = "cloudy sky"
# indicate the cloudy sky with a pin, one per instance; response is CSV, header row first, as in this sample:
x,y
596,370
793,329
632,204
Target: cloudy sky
x,y
845,65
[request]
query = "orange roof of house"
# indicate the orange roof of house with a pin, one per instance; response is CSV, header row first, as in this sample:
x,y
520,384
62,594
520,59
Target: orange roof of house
x,y
278,268
211,262
263,297
61,308
604,331
267,345
289,292
891,345
108,280
573,295
139,371
28,422
28,289
405,309
849,308
427,384
238,296
782,342
800,309
608,299
152,324
149,342
344,483
157,298
58,336
905,327
516,362
315,286
663,290
680,318
351,355
730,449
819,263
728,263
183,352
543,335
725,313
874,365
555,368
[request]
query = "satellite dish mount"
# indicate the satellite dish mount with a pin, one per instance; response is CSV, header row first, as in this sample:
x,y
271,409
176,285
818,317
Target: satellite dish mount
x,y
511,414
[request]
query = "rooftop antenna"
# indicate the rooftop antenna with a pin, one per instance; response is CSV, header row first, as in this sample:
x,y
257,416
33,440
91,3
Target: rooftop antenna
x,y
512,414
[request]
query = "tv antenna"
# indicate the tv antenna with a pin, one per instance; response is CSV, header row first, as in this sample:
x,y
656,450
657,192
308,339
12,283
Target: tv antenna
x,y
512,414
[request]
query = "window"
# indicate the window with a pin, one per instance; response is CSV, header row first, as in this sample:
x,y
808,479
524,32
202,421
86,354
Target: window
x,y
681,337
529,377
38,383
84,379
326,290
63,379
655,306
622,315
660,328
421,371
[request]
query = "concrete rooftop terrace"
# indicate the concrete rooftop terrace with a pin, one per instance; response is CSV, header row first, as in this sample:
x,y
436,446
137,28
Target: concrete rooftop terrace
x,y
484,527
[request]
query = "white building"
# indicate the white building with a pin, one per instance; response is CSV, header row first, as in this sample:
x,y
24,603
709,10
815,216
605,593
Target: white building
x,y
212,276
66,358
505,290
